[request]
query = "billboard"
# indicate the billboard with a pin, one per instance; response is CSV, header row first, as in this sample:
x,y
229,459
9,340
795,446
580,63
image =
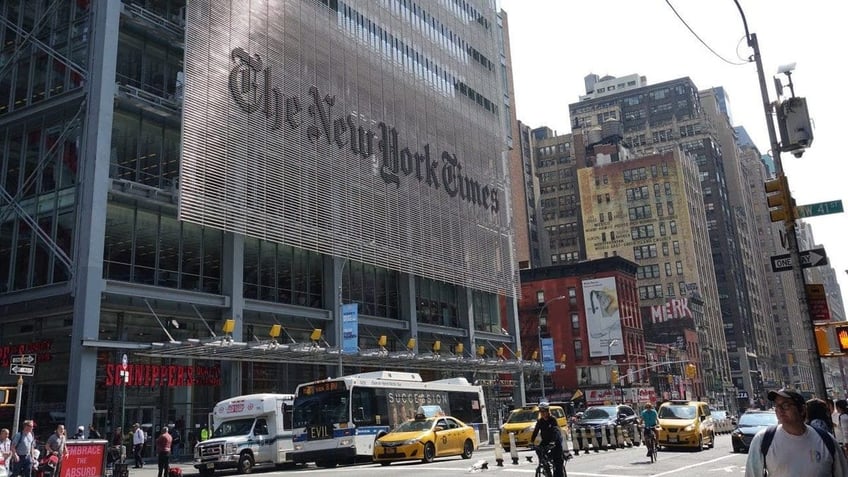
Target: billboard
x,y
341,129
603,320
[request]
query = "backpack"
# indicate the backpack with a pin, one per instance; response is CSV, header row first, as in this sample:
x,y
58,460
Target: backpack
x,y
769,436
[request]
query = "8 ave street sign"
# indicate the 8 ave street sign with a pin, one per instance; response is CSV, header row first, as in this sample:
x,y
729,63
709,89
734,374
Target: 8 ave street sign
x,y
809,258
22,359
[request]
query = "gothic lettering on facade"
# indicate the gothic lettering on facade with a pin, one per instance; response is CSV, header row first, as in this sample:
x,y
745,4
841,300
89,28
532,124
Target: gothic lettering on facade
x,y
251,85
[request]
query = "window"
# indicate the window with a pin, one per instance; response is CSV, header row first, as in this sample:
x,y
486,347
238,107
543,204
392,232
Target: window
x,y
572,296
667,269
673,226
676,247
670,206
679,265
665,249
575,321
578,350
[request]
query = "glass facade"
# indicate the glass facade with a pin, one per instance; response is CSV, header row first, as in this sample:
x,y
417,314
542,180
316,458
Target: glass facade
x,y
407,254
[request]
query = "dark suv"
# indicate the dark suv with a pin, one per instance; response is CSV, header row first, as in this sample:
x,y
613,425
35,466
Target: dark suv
x,y
596,417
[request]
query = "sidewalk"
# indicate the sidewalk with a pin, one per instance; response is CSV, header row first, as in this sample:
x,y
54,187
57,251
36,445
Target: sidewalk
x,y
151,469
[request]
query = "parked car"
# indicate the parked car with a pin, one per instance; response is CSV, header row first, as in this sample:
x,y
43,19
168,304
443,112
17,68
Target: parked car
x,y
686,424
749,425
425,438
597,417
522,421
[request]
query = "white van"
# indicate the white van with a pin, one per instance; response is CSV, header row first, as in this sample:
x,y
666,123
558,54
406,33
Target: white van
x,y
249,431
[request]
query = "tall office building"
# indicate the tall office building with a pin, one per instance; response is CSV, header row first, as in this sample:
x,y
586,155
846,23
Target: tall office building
x,y
168,167
752,298
649,210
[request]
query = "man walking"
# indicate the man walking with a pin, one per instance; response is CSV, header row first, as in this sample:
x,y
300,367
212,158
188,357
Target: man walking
x,y
163,451
22,445
796,449
138,445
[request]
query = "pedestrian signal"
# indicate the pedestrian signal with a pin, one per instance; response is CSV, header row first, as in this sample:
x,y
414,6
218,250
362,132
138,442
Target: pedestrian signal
x,y
842,338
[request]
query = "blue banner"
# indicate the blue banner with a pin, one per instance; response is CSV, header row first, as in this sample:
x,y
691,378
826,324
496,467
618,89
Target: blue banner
x,y
350,328
548,362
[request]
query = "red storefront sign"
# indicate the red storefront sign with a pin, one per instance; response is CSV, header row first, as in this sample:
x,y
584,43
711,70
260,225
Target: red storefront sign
x,y
153,375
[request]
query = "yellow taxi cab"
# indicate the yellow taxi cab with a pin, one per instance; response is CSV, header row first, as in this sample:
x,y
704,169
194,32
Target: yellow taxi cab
x,y
522,421
425,438
686,424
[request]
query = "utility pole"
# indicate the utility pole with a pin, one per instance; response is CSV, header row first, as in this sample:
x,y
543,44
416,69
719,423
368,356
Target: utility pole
x,y
789,222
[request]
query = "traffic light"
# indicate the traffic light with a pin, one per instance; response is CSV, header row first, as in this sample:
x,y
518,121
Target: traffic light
x,y
613,375
780,200
821,341
842,338
691,370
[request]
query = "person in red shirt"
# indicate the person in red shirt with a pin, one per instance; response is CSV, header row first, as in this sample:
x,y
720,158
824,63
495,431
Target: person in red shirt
x,y
163,450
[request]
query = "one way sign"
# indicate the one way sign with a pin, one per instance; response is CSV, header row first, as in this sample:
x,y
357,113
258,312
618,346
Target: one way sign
x,y
809,258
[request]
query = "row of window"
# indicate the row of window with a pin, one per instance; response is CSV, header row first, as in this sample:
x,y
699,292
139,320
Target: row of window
x,y
650,292
641,173
567,257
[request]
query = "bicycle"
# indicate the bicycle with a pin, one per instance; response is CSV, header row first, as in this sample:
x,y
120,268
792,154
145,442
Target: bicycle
x,y
545,468
651,443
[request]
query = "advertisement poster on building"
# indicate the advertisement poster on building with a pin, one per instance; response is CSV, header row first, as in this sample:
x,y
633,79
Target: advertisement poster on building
x,y
603,320
350,328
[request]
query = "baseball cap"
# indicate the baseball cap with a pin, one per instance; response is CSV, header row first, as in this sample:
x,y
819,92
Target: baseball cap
x,y
81,428
795,396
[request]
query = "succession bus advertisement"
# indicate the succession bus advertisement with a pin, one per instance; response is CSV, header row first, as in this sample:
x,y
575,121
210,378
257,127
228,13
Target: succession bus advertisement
x,y
603,320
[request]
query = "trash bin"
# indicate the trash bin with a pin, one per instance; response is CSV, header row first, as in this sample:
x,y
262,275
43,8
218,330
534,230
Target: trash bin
x,y
121,469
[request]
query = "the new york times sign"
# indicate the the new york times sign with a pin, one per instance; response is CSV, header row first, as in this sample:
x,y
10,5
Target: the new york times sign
x,y
300,129
252,86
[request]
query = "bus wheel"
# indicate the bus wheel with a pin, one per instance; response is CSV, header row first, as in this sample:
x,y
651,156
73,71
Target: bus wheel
x,y
467,449
245,464
429,452
327,464
385,462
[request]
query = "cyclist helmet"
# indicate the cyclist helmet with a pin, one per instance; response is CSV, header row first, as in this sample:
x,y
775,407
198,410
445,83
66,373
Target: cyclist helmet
x,y
543,406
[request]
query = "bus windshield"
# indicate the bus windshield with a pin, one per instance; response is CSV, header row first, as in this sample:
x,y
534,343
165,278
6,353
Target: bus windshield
x,y
236,427
321,408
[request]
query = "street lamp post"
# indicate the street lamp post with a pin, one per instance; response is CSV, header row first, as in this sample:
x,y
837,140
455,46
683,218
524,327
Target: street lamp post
x,y
540,299
611,343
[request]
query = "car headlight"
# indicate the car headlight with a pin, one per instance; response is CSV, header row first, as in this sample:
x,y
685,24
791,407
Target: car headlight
x,y
736,433
378,444
529,428
689,428
410,442
232,448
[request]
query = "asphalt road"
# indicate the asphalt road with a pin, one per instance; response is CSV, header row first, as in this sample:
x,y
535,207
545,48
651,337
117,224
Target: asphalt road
x,y
630,462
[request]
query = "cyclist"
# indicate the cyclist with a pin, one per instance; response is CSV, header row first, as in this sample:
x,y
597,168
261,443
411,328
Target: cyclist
x,y
548,430
651,420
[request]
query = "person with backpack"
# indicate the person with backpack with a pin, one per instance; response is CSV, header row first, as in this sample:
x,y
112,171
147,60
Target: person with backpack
x,y
793,448
22,446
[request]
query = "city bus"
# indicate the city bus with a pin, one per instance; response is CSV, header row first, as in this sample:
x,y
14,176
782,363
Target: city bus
x,y
336,421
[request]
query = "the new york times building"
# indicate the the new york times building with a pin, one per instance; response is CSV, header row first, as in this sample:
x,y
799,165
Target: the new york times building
x,y
171,166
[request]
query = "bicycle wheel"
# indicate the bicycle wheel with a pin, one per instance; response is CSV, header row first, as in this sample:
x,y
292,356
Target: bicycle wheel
x,y
653,450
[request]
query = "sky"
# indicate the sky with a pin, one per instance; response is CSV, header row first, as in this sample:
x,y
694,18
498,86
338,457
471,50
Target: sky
x,y
556,43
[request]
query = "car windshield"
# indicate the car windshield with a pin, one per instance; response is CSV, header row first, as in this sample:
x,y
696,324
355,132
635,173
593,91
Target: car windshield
x,y
524,415
751,419
414,426
599,413
236,427
677,412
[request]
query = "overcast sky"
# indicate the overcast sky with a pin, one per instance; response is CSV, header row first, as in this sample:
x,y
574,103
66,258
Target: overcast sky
x,y
555,43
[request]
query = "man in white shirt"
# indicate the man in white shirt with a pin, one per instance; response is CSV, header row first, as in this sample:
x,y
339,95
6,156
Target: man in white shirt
x,y
797,450
138,445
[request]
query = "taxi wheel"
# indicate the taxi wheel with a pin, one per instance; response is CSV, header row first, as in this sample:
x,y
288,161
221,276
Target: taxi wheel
x,y
712,441
385,463
700,444
467,449
429,452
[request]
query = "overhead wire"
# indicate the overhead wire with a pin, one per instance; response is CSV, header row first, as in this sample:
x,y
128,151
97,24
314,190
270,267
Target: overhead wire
x,y
668,2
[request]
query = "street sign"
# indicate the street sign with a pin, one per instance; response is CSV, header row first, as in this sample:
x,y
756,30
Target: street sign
x,y
820,208
809,259
21,370
22,359
608,362
817,302
813,258
781,263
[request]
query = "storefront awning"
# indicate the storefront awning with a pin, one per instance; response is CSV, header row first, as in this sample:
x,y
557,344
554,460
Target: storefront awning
x,y
226,349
